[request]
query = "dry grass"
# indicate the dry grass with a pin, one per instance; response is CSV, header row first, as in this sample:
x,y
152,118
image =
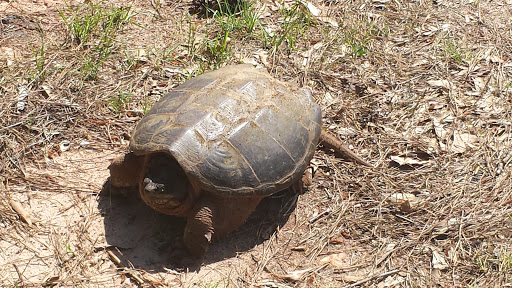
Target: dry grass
x,y
423,90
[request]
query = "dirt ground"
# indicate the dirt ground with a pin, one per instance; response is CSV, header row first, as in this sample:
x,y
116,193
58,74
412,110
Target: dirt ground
x,y
420,89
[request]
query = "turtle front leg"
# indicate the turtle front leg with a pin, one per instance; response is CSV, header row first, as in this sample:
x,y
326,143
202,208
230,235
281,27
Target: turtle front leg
x,y
199,229
125,173
216,217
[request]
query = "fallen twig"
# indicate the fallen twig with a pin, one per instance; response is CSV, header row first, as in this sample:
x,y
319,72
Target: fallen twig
x,y
320,215
385,274
20,275
130,274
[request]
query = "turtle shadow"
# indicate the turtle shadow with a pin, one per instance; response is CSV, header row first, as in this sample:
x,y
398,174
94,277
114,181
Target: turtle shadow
x,y
145,239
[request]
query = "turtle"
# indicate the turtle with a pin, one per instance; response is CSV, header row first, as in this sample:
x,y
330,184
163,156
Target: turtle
x,y
216,145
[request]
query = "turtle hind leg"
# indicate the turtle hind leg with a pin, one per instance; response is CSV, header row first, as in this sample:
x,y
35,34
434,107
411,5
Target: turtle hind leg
x,y
216,217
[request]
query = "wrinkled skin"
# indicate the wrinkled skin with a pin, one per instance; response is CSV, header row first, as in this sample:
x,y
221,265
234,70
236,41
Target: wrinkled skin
x,y
164,187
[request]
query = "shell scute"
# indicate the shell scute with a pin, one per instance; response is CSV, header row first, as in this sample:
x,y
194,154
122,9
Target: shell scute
x,y
235,131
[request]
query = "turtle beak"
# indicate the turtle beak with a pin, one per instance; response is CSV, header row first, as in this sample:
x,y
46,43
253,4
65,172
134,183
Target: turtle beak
x,y
156,194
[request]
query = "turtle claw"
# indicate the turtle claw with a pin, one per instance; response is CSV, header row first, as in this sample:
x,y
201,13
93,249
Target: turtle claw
x,y
197,246
199,231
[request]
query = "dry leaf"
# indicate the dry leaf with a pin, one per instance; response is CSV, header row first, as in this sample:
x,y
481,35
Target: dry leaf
x,y
406,207
452,254
8,54
388,250
307,54
434,105
138,54
329,21
313,9
406,201
489,104
21,211
336,240
495,59
463,141
22,96
47,91
400,197
353,278
270,284
337,260
263,56
438,260
295,275
430,30
317,12
479,83
439,129
64,145
440,84
391,281
404,160
420,63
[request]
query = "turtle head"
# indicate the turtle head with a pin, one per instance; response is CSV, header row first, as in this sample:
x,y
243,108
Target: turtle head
x,y
164,185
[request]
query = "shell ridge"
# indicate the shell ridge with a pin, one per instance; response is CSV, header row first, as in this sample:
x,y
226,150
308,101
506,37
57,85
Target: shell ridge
x,y
275,139
244,159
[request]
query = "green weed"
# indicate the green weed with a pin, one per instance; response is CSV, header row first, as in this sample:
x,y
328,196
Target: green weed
x,y
120,103
191,37
217,49
222,8
358,48
296,22
359,37
482,263
94,28
241,18
239,21
145,106
82,25
156,5
40,61
249,18
130,61
453,51
494,259
69,250
506,262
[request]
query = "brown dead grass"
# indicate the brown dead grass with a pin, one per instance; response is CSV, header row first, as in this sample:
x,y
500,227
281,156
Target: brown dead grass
x,y
423,90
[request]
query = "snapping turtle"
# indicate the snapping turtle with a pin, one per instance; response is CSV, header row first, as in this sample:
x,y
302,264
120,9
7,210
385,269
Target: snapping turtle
x,y
212,148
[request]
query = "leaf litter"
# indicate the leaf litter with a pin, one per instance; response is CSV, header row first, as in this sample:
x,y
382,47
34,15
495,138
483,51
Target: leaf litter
x,y
421,90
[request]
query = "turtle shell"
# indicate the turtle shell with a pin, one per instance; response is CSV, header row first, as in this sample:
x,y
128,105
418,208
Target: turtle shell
x,y
235,131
